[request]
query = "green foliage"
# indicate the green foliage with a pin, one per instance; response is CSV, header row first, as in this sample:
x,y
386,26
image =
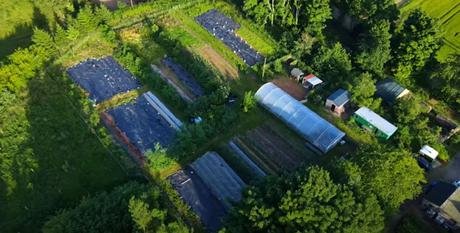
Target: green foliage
x,y
375,49
316,13
415,42
362,89
370,11
158,159
248,101
392,175
125,209
445,81
306,201
332,63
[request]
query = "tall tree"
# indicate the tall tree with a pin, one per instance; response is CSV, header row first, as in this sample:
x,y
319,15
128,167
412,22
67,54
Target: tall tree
x,y
332,63
392,175
415,42
308,201
375,48
445,81
316,13
362,89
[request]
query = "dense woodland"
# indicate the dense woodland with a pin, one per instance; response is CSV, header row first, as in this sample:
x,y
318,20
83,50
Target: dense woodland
x,y
44,118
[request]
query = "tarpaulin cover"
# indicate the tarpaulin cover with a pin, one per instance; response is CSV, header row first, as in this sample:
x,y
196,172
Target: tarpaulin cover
x,y
102,78
307,123
224,183
224,28
143,124
198,196
184,77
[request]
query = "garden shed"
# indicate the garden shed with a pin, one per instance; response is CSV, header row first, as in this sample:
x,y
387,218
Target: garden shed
x,y
429,152
317,131
311,81
337,101
389,90
373,122
297,74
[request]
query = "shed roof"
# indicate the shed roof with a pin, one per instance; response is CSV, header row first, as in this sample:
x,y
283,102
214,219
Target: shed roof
x,y
429,151
340,97
314,81
452,206
219,177
440,192
296,72
389,90
307,123
376,120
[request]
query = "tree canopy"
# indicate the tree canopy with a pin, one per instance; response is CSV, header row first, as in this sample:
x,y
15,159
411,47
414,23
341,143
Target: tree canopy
x,y
307,201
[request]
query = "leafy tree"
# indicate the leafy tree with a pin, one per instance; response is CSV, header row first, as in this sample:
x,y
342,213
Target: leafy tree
x,y
370,10
248,101
392,175
445,80
375,49
408,109
362,89
259,10
316,13
332,63
415,42
158,159
307,201
123,210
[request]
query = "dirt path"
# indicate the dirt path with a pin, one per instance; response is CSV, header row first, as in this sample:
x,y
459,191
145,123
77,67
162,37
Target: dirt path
x,y
222,65
291,87
447,173
169,76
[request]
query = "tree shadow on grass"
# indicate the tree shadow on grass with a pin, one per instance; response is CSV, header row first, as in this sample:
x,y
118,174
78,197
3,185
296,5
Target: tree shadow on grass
x,y
70,161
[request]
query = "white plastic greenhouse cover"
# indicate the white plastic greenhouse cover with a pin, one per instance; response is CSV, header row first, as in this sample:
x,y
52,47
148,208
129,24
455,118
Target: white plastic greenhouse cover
x,y
307,123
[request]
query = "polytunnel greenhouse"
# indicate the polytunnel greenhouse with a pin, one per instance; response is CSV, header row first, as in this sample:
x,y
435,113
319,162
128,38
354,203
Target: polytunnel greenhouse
x,y
319,132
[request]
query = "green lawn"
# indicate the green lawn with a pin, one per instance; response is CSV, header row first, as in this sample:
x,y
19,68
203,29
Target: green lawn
x,y
447,12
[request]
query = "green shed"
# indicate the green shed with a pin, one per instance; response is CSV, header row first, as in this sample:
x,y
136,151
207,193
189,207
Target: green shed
x,y
371,121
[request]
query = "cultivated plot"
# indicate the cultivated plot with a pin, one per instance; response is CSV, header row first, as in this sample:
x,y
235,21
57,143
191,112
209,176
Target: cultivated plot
x,y
197,195
271,151
184,77
102,78
144,123
224,28
210,187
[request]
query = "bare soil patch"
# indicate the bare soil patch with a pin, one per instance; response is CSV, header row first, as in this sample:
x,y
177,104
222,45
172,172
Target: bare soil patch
x,y
270,150
222,65
291,87
170,77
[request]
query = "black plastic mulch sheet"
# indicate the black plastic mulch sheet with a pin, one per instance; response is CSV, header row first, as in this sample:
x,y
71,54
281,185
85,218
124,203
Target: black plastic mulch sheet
x,y
224,28
102,78
143,125
184,77
195,193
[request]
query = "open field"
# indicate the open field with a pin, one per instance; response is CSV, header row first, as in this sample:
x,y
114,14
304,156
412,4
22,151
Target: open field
x,y
447,12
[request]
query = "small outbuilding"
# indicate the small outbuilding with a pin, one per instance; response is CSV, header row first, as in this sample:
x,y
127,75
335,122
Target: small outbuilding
x,y
311,81
297,74
429,152
389,90
337,101
373,122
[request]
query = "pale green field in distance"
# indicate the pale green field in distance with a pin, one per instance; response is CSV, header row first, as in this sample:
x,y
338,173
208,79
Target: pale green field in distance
x,y
447,12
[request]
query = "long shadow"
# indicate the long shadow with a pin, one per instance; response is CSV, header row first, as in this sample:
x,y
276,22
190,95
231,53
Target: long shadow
x,y
70,161
22,34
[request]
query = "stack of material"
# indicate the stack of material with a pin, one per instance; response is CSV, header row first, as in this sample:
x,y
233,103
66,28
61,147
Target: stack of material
x,y
102,78
224,28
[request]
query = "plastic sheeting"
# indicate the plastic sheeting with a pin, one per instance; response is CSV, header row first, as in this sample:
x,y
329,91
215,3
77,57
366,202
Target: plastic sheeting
x,y
195,193
223,28
144,124
102,78
184,77
224,183
319,132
